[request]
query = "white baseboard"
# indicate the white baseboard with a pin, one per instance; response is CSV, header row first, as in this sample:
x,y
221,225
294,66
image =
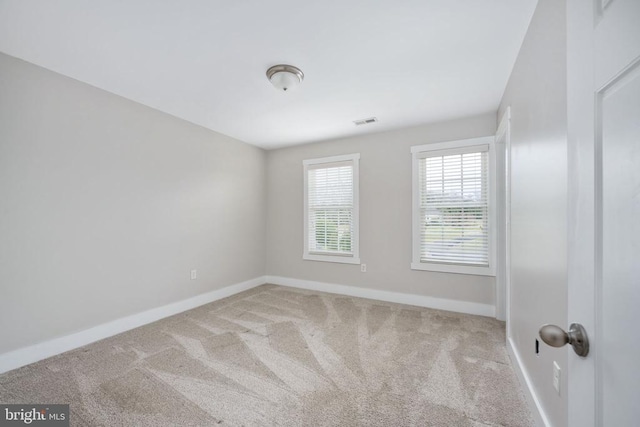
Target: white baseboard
x,y
24,356
397,297
539,416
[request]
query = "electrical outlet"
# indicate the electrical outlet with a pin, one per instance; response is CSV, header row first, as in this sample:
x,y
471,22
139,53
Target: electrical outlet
x,y
556,376
363,268
194,274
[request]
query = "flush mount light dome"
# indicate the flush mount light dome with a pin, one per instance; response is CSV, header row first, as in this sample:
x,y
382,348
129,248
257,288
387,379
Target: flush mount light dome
x,y
285,77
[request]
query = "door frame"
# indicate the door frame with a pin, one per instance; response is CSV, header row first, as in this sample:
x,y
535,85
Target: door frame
x,y
581,244
503,272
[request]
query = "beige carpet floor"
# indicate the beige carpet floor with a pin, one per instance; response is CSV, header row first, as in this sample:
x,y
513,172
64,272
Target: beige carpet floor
x,y
286,357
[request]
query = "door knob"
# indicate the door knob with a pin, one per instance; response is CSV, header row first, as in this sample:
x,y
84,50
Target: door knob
x,y
555,336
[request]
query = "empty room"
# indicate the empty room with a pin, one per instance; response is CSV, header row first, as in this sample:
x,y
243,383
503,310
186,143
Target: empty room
x,y
333,213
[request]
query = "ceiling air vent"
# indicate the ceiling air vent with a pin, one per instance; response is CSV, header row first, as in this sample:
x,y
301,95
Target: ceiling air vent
x,y
365,121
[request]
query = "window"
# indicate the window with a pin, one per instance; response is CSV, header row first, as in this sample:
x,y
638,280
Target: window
x,y
331,209
453,226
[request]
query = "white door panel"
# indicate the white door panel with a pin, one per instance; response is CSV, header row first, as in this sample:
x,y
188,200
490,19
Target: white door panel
x,y
603,39
618,284
616,38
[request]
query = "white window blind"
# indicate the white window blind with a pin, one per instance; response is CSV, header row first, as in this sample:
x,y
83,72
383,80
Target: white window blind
x,y
454,206
330,208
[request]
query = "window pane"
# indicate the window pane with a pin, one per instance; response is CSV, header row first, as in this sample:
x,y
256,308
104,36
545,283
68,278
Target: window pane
x,y
454,209
330,230
330,209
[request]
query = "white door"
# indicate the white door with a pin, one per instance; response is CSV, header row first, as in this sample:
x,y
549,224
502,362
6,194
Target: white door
x,y
603,39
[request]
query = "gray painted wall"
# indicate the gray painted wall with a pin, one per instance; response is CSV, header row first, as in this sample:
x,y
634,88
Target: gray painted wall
x,y
106,205
385,213
537,92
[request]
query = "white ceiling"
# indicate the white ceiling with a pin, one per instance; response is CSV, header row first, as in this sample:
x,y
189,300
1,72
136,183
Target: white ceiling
x,y
406,62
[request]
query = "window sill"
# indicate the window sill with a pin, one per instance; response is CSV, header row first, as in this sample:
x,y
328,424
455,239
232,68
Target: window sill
x,y
332,258
456,269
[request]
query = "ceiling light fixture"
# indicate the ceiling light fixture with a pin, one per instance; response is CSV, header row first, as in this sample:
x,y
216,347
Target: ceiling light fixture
x,y
285,77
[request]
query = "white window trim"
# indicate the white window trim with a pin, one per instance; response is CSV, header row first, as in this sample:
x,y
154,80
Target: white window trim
x,y
454,268
343,259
